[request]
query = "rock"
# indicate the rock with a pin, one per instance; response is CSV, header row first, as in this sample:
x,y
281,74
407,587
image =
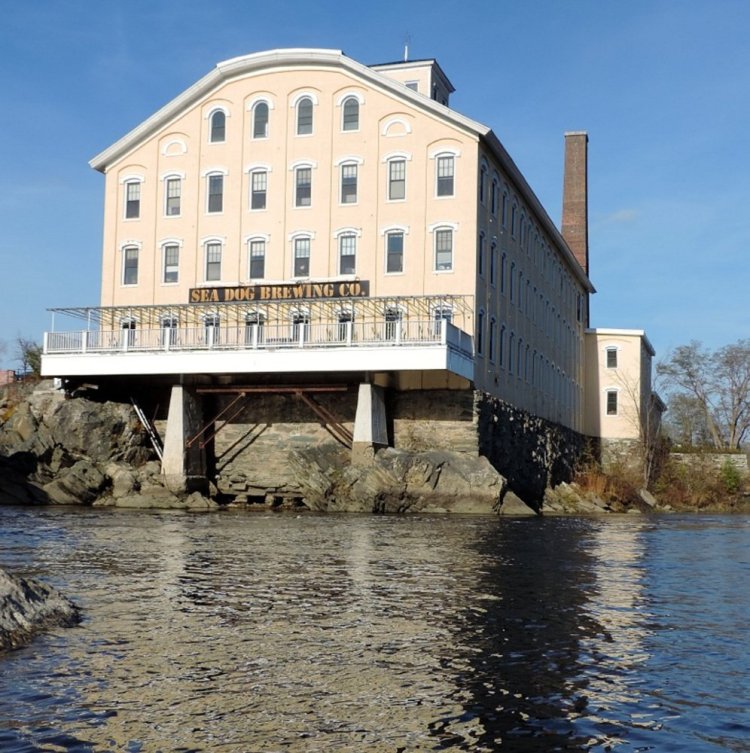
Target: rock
x,y
28,607
79,485
513,505
570,499
397,481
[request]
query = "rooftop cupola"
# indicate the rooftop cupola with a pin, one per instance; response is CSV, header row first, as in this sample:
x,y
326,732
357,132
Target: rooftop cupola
x,y
423,76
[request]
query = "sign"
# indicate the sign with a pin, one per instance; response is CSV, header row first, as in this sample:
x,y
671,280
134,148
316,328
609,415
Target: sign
x,y
284,292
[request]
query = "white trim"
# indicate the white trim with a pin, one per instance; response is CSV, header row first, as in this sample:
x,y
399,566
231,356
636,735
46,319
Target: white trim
x,y
255,167
214,171
349,160
393,121
170,242
301,234
359,97
212,107
180,142
303,163
396,156
132,178
256,237
212,239
444,150
266,97
438,225
301,95
395,228
172,174
348,231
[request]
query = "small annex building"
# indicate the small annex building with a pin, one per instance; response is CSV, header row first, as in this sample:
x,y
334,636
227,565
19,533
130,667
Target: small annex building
x,y
299,224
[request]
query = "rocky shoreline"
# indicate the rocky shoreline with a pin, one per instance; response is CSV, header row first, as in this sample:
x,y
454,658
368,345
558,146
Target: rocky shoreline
x,y
73,451
28,607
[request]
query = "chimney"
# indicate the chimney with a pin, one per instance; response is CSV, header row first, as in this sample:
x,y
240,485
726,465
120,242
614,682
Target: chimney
x,y
575,213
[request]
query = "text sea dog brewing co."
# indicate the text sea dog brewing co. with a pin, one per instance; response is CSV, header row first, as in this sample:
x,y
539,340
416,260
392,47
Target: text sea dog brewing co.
x,y
282,292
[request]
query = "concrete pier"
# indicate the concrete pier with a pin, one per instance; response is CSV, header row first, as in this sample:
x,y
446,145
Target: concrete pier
x,y
184,467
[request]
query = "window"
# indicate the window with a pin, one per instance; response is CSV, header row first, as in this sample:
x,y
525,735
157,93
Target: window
x,y
254,324
258,189
213,261
493,264
347,254
444,250
483,184
301,257
211,327
215,193
503,272
440,316
132,200
218,126
611,358
171,263
346,325
513,212
130,265
397,179
304,116
480,254
350,115
300,326
480,332
511,343
260,120
348,184
611,402
493,196
392,318
303,187
394,252
257,259
512,282
169,325
445,170
501,346
491,344
173,194
505,209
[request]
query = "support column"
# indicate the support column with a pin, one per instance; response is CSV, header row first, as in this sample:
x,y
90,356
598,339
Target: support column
x,y
184,468
370,429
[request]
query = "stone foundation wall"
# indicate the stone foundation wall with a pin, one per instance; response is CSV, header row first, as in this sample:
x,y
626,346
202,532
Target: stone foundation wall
x,y
253,451
530,452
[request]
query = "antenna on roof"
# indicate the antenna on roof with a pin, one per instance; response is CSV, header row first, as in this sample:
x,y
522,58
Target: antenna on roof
x,y
407,39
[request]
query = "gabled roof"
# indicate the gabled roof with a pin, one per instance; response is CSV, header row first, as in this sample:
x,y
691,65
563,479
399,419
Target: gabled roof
x,y
287,58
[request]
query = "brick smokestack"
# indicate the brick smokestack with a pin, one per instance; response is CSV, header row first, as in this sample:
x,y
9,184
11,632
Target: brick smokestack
x,y
575,213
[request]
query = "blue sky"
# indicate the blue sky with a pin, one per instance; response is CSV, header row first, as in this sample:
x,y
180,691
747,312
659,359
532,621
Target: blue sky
x,y
661,86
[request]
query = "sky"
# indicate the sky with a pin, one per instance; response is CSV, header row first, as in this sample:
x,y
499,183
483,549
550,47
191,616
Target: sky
x,y
661,87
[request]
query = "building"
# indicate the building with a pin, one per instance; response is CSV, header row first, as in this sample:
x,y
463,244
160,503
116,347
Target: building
x,y
298,221
622,409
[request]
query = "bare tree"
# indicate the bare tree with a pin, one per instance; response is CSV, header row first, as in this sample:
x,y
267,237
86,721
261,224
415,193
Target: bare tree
x,y
718,384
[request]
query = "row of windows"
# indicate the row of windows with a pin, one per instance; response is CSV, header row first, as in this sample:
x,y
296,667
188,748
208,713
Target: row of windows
x,y
304,119
303,178
257,250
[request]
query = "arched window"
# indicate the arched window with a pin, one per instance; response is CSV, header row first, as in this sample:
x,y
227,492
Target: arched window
x,y
256,248
350,114
218,126
347,254
304,116
260,120
213,261
130,265
302,256
443,249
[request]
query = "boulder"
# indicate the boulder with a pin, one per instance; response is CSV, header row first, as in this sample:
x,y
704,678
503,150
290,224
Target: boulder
x,y
79,485
28,607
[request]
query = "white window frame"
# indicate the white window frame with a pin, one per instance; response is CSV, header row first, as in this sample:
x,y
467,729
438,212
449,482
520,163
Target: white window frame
x,y
295,239
163,245
210,117
130,246
165,180
127,181
296,186
611,349
207,175
386,232
438,159
205,243
612,391
349,97
253,120
249,243
341,236
295,103
390,181
251,184
342,167
438,229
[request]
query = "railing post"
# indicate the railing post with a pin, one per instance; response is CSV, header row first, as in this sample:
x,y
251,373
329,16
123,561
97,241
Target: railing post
x,y
443,331
349,326
255,336
301,334
398,331
84,341
45,342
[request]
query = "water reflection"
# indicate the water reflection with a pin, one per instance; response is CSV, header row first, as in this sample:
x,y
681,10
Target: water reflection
x,y
244,632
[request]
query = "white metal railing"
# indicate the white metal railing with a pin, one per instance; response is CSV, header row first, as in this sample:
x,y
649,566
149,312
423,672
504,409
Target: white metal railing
x,y
263,336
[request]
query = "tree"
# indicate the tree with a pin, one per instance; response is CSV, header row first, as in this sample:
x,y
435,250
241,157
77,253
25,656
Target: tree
x,y
716,386
29,355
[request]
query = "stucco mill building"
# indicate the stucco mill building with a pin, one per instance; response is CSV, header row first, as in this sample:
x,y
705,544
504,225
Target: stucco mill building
x,y
301,249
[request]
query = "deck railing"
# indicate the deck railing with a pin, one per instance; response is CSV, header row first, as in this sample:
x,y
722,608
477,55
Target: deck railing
x,y
262,336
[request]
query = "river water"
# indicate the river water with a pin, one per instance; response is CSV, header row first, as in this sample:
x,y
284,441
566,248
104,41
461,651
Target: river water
x,y
246,632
